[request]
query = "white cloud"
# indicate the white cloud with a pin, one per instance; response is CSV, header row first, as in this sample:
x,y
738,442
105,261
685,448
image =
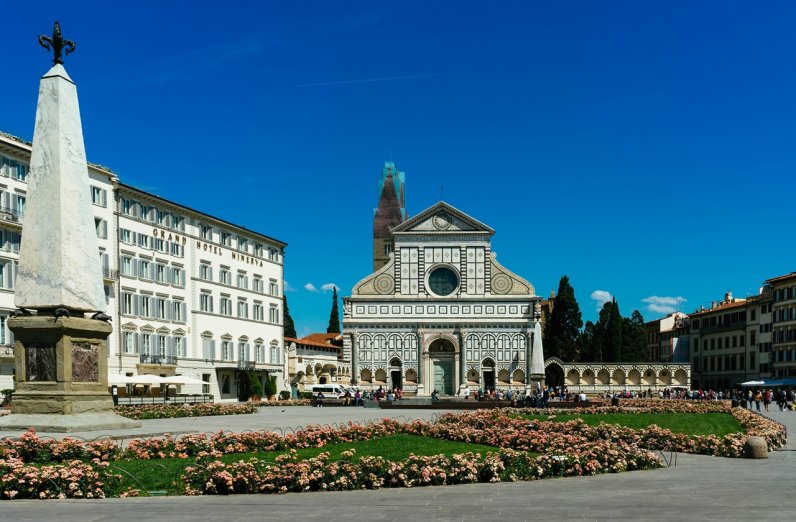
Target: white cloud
x,y
663,304
601,297
328,287
288,287
309,287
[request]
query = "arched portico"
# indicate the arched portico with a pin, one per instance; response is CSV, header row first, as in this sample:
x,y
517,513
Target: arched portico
x,y
610,377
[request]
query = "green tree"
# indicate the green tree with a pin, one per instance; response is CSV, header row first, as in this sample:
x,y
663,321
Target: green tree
x,y
613,333
563,327
270,387
634,338
334,317
590,344
290,327
255,384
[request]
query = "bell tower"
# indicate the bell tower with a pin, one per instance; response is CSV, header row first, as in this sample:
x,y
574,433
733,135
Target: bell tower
x,y
391,212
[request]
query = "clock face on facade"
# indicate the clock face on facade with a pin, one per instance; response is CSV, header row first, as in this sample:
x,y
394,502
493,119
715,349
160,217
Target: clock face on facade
x,y
443,281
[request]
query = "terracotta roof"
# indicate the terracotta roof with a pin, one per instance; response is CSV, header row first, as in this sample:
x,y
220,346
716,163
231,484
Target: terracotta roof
x,y
310,343
321,337
720,307
785,277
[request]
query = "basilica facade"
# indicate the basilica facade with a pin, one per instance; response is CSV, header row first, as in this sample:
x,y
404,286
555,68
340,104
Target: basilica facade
x,y
442,314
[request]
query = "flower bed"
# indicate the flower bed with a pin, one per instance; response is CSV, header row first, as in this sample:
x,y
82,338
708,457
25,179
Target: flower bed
x,y
286,402
568,448
172,411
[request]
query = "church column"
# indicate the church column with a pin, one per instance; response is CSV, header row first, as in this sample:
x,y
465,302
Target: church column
x,y
421,364
528,349
354,355
462,360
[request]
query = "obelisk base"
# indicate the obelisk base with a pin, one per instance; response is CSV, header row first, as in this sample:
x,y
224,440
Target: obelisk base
x,y
62,376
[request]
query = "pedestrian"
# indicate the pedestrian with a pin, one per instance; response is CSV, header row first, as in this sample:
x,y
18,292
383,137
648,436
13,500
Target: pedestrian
x,y
319,400
758,398
767,398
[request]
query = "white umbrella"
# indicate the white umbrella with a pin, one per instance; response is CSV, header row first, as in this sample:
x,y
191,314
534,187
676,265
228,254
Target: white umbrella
x,y
145,379
753,383
118,380
181,379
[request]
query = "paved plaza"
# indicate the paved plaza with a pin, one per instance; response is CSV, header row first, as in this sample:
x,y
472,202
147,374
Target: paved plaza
x,y
697,488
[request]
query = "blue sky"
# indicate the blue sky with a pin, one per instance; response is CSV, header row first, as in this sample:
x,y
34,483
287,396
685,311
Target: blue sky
x,y
645,149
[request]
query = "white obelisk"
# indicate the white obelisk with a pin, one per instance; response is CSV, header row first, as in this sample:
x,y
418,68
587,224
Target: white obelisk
x,y
59,263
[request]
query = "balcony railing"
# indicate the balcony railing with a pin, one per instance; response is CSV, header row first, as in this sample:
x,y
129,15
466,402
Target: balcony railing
x,y
6,350
149,358
110,274
10,214
245,365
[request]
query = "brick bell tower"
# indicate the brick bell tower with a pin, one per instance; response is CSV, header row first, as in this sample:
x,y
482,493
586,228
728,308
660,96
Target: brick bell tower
x,y
390,213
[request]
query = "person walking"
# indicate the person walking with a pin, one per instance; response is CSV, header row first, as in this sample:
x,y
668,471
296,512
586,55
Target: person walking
x,y
767,398
758,398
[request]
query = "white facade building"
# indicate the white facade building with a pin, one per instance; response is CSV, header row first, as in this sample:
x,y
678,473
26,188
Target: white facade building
x,y
443,314
190,294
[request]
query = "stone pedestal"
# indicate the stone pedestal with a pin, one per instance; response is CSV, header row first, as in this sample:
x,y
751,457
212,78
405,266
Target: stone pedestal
x,y
62,376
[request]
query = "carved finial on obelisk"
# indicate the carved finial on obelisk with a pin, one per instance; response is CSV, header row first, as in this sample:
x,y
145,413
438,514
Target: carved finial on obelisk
x,y
58,44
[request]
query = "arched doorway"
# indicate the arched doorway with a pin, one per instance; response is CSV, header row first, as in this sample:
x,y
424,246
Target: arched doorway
x,y
554,375
441,353
488,371
396,374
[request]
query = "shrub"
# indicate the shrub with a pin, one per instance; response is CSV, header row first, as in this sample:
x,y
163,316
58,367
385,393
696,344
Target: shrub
x,y
284,395
270,387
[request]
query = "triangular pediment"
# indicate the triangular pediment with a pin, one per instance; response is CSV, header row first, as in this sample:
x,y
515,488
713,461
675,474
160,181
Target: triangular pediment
x,y
442,218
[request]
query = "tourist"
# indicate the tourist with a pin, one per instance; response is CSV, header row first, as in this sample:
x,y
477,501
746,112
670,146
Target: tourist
x,y
767,398
357,398
319,400
758,398
434,396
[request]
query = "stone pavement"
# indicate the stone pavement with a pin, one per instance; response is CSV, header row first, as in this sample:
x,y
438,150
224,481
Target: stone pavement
x,y
698,488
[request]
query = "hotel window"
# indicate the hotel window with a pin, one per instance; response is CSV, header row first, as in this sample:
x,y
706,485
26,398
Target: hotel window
x,y
206,302
99,196
159,245
161,345
225,305
161,305
21,172
275,353
7,275
176,249
206,232
144,241
144,308
226,239
179,346
259,352
273,314
178,276
273,288
243,351
243,309
258,249
225,276
272,254
102,228
243,281
178,311
128,266
20,202
127,207
149,213
205,272
127,303
178,223
160,273
163,218
128,340
258,311
243,244
146,343
145,269
227,351
125,236
257,281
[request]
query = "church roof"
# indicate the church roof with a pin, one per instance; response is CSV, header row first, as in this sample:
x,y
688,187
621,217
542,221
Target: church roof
x,y
452,220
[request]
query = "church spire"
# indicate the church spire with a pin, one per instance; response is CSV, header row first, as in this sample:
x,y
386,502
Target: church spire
x,y
391,211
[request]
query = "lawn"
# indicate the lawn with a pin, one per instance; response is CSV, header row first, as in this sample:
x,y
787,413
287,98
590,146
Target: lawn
x,y
159,474
688,423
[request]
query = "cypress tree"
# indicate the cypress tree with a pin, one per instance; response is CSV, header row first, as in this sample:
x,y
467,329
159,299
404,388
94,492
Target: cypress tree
x,y
634,337
562,329
334,317
613,334
290,327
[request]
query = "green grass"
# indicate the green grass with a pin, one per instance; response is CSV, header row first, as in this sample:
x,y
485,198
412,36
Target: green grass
x,y
159,474
688,423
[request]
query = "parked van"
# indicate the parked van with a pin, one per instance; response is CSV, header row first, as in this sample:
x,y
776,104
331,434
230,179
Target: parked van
x,y
329,391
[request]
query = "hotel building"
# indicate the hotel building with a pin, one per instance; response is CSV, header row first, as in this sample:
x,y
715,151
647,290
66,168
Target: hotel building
x,y
189,294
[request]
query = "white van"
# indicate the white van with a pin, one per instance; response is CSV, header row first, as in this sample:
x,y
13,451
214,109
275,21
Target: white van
x,y
329,391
